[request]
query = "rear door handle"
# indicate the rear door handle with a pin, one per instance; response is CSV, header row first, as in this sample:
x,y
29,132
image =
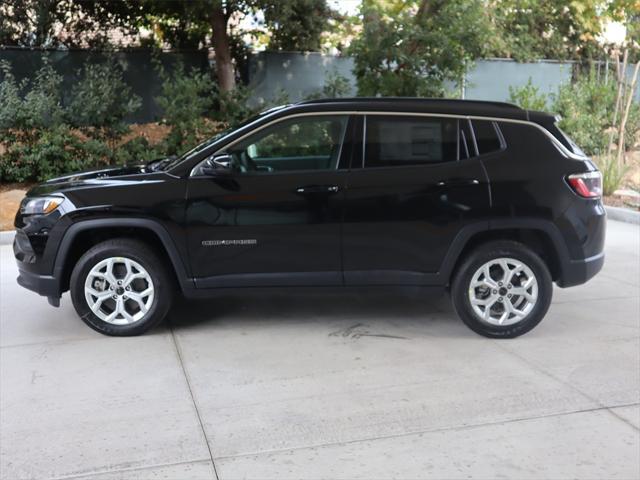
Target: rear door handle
x,y
317,189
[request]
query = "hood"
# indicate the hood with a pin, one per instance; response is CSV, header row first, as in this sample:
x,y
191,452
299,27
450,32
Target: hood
x,y
91,178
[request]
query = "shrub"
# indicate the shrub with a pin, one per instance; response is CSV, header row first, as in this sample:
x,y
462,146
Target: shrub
x,y
612,174
101,100
528,97
137,150
42,107
36,133
336,85
53,152
10,99
32,131
233,106
587,107
187,98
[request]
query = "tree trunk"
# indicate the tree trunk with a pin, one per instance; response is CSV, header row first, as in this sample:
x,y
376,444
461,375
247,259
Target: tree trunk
x,y
621,77
222,49
625,115
619,81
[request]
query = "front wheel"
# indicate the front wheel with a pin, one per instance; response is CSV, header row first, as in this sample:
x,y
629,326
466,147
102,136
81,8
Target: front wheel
x,y
120,287
502,289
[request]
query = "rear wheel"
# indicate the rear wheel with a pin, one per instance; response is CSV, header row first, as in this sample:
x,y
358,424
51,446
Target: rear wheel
x,y
121,287
503,289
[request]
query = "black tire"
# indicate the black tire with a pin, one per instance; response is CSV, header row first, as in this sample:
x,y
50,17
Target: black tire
x,y
143,255
483,254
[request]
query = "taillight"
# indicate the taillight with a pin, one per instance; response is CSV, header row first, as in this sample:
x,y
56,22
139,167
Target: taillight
x,y
587,185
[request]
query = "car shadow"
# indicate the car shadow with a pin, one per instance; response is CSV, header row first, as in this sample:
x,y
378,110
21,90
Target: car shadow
x,y
319,305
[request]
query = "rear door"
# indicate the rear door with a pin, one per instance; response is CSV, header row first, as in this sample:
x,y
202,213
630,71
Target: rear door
x,y
412,187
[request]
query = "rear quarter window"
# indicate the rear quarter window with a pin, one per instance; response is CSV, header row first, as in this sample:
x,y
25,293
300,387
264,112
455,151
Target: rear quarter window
x,y
487,135
566,140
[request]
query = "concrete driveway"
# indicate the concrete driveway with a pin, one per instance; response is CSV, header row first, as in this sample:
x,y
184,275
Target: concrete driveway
x,y
317,385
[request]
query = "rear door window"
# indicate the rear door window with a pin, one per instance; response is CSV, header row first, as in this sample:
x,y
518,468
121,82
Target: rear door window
x,y
398,140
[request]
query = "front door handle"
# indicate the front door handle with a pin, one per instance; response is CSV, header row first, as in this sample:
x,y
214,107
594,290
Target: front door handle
x,y
458,182
330,189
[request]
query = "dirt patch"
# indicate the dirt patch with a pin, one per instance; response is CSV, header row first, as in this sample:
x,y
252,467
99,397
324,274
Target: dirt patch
x,y
5,187
9,203
154,132
616,201
632,176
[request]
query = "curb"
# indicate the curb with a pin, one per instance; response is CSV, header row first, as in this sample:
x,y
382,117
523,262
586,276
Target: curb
x,y
623,215
6,238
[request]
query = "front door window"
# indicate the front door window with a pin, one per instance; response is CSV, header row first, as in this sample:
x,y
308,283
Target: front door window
x,y
295,144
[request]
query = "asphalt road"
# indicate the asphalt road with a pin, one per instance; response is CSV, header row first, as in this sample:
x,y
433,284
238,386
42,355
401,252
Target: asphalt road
x,y
316,385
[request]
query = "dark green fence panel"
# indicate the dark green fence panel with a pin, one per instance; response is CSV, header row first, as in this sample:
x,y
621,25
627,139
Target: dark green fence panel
x,y
139,70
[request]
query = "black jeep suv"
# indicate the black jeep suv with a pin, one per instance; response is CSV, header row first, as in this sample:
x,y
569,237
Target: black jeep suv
x,y
487,200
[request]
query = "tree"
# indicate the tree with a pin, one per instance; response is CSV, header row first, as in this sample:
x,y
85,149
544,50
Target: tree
x,y
296,25
64,23
555,29
411,48
203,19
293,26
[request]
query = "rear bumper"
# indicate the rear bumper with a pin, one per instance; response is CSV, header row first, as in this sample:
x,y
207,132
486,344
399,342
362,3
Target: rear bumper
x,y
577,272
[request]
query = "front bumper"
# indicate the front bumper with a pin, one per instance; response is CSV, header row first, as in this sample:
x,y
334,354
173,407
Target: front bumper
x,y
41,284
28,275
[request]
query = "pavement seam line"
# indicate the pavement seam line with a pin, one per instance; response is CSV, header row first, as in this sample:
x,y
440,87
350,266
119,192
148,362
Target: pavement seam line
x,y
570,386
621,418
421,432
127,469
193,399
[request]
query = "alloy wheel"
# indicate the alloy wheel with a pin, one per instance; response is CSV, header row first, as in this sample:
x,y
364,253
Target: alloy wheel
x,y
503,291
119,290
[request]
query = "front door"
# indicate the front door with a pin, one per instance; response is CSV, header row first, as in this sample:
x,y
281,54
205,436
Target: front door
x,y
273,217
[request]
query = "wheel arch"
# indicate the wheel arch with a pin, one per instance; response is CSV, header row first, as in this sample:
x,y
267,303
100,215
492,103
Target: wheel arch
x,y
80,236
542,236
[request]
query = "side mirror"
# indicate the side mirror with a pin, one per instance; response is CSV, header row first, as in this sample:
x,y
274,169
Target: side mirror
x,y
217,164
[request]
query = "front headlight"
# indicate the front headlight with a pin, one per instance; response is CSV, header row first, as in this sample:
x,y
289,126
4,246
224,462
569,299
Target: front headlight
x,y
40,205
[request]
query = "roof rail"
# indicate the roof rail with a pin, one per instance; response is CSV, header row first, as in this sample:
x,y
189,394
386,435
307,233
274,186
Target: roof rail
x,y
409,99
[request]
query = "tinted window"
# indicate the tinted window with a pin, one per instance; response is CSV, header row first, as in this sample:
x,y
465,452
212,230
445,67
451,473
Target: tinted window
x,y
301,143
486,136
400,140
560,135
467,150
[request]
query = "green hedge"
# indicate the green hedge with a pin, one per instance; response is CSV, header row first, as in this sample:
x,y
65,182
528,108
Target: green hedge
x,y
42,137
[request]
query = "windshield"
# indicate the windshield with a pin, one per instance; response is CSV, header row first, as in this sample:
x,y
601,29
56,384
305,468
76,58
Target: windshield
x,y
171,162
